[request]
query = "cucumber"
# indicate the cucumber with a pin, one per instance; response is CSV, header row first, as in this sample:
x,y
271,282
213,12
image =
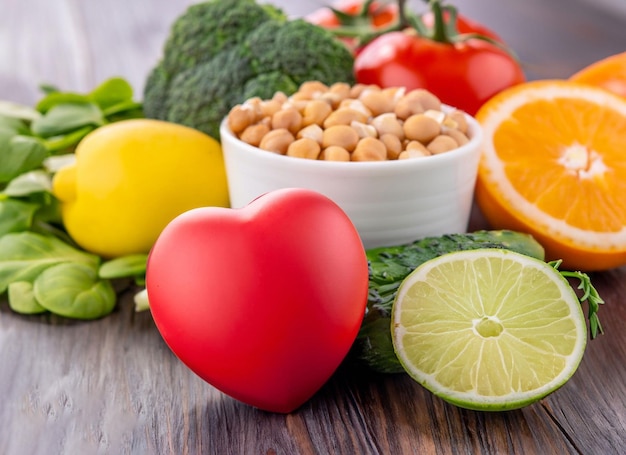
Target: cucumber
x,y
388,266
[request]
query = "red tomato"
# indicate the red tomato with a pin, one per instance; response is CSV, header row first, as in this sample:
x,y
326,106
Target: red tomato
x,y
262,302
378,15
464,75
359,21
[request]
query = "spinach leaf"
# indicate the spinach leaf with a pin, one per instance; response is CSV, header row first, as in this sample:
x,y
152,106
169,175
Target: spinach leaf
x,y
25,255
19,154
22,298
67,117
74,290
111,92
69,140
133,265
54,98
29,183
15,215
17,111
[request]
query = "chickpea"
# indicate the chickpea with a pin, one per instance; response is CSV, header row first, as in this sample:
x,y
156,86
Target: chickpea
x,y
388,123
369,149
357,105
437,116
405,108
240,117
288,118
298,105
281,97
392,144
315,112
311,89
344,116
304,148
417,146
420,127
342,89
426,99
378,101
416,102
364,129
313,131
277,141
342,135
358,89
406,154
254,133
270,107
335,153
459,138
254,104
461,122
441,144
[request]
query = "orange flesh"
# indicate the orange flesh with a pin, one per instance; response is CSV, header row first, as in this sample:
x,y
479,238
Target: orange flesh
x,y
568,170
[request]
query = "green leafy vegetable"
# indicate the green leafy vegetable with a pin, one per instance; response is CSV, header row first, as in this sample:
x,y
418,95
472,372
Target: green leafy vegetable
x,y
22,298
15,215
44,272
29,183
19,154
74,290
65,118
25,255
17,111
133,265
41,268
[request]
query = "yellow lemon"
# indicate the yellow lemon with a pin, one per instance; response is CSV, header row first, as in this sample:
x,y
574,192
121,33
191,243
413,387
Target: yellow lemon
x,y
131,178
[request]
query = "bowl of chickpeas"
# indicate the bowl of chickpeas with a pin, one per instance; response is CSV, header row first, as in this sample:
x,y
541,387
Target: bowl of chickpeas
x,y
401,164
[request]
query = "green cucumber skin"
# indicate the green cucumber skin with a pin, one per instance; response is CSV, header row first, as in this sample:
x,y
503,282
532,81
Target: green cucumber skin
x,y
388,266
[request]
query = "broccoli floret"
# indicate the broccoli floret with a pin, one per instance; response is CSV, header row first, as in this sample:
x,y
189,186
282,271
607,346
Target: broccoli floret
x,y
300,49
205,29
265,85
202,95
156,93
221,52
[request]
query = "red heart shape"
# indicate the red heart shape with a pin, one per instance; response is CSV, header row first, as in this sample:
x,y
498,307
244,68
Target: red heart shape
x,y
262,302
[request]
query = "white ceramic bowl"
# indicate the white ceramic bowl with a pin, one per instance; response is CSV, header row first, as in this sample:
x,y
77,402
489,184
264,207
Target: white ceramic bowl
x,y
389,202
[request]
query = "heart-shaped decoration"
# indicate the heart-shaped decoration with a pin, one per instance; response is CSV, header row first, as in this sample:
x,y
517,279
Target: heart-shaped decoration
x,y
262,302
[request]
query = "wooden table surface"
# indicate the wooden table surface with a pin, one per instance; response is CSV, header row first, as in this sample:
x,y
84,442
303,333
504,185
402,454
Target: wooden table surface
x,y
113,387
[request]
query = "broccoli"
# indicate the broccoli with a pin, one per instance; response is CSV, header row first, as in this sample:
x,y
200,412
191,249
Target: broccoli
x,y
220,53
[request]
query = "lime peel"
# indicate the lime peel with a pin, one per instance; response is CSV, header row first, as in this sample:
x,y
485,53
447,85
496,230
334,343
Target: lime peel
x,y
490,329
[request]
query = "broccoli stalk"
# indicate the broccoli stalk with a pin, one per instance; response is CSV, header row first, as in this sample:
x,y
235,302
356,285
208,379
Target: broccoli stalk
x,y
220,53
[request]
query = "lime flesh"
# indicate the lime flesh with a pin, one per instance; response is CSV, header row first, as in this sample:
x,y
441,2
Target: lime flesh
x,y
488,329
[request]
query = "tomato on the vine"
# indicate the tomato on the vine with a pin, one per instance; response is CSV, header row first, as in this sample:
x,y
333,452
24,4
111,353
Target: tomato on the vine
x,y
460,61
352,19
464,75
377,15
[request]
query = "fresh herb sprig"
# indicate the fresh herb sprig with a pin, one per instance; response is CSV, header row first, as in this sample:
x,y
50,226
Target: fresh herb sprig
x,y
590,295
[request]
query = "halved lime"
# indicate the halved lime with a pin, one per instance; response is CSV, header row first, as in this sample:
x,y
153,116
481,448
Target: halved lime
x,y
488,329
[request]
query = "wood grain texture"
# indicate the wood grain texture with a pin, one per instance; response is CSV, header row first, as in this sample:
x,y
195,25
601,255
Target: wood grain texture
x,y
113,387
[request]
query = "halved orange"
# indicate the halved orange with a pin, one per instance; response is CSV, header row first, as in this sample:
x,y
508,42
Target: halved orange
x,y
553,165
608,73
